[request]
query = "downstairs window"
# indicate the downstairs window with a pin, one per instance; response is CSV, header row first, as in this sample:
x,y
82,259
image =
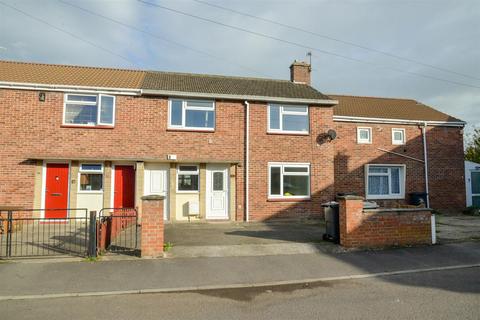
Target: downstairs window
x,y
289,180
385,181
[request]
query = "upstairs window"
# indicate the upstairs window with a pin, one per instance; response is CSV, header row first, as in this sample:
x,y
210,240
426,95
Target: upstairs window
x,y
191,114
289,180
287,119
398,136
91,177
364,135
89,110
385,181
187,178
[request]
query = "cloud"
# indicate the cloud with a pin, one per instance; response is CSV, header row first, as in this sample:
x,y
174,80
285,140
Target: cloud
x,y
437,32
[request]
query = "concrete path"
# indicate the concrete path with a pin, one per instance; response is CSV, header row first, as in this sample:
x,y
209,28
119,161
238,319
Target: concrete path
x,y
18,279
457,228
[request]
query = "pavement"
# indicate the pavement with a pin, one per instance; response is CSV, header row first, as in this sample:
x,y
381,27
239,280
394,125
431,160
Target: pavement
x,y
448,294
43,278
454,228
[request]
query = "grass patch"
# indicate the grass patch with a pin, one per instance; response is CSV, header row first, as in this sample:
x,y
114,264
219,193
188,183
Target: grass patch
x,y
92,259
167,246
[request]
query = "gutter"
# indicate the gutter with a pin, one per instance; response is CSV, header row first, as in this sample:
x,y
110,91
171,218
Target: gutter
x,y
180,94
247,159
399,121
69,88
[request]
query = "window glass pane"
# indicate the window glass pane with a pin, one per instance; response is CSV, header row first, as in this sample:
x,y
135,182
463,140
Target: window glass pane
x,y
274,117
176,113
217,181
80,114
377,170
364,134
295,123
395,173
295,169
188,168
475,182
188,182
275,180
106,110
398,136
295,109
295,185
91,167
378,185
91,181
80,98
476,201
200,104
199,118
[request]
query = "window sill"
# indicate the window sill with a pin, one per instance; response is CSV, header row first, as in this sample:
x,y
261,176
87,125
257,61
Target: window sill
x,y
76,126
289,199
293,133
188,192
90,192
364,142
385,198
191,130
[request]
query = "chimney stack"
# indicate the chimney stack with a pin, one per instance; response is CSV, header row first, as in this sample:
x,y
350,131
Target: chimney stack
x,y
300,72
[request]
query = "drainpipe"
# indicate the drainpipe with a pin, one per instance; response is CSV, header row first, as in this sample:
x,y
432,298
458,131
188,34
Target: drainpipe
x,y
247,158
425,155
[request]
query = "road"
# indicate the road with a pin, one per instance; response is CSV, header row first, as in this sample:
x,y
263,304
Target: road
x,y
451,294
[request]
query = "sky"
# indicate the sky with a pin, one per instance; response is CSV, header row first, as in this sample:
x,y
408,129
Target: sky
x,y
431,48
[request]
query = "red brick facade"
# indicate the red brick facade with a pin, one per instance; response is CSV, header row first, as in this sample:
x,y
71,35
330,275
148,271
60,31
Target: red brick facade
x,y
152,227
33,130
381,228
445,161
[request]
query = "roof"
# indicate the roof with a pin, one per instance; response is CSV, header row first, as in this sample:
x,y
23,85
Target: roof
x,y
229,86
387,108
52,74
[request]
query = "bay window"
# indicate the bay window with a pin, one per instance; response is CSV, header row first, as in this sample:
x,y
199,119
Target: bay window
x,y
89,110
385,181
289,180
191,114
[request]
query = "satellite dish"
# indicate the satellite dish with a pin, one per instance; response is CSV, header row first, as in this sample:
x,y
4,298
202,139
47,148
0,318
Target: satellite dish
x,y
332,134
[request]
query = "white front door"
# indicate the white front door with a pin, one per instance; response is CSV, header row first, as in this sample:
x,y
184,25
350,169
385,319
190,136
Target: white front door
x,y
217,192
156,182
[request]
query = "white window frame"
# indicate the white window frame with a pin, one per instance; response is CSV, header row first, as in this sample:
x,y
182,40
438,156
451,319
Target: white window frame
x,y
364,141
283,112
396,142
81,170
96,103
402,181
197,172
185,107
282,166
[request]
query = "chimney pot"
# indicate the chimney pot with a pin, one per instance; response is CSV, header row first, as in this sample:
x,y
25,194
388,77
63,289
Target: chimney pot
x,y
300,72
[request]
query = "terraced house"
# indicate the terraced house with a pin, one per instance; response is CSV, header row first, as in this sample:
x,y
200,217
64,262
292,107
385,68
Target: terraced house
x,y
218,148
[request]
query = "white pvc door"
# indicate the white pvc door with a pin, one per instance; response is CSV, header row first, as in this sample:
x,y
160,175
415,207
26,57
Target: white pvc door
x,y
217,192
475,187
156,182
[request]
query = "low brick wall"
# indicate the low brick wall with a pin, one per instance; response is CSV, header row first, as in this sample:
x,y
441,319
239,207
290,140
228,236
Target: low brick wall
x,y
382,227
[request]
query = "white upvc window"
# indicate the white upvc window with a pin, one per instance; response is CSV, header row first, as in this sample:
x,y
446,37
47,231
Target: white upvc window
x,y
398,136
288,180
188,178
364,135
89,110
191,114
288,119
90,177
385,181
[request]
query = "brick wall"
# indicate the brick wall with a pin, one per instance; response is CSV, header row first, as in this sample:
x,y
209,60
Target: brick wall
x,y
381,228
445,156
265,148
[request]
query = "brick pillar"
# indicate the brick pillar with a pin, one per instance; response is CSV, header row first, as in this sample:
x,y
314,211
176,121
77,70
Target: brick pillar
x,y
351,210
152,226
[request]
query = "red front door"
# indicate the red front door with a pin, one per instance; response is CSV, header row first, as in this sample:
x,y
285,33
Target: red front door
x,y
124,190
56,190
